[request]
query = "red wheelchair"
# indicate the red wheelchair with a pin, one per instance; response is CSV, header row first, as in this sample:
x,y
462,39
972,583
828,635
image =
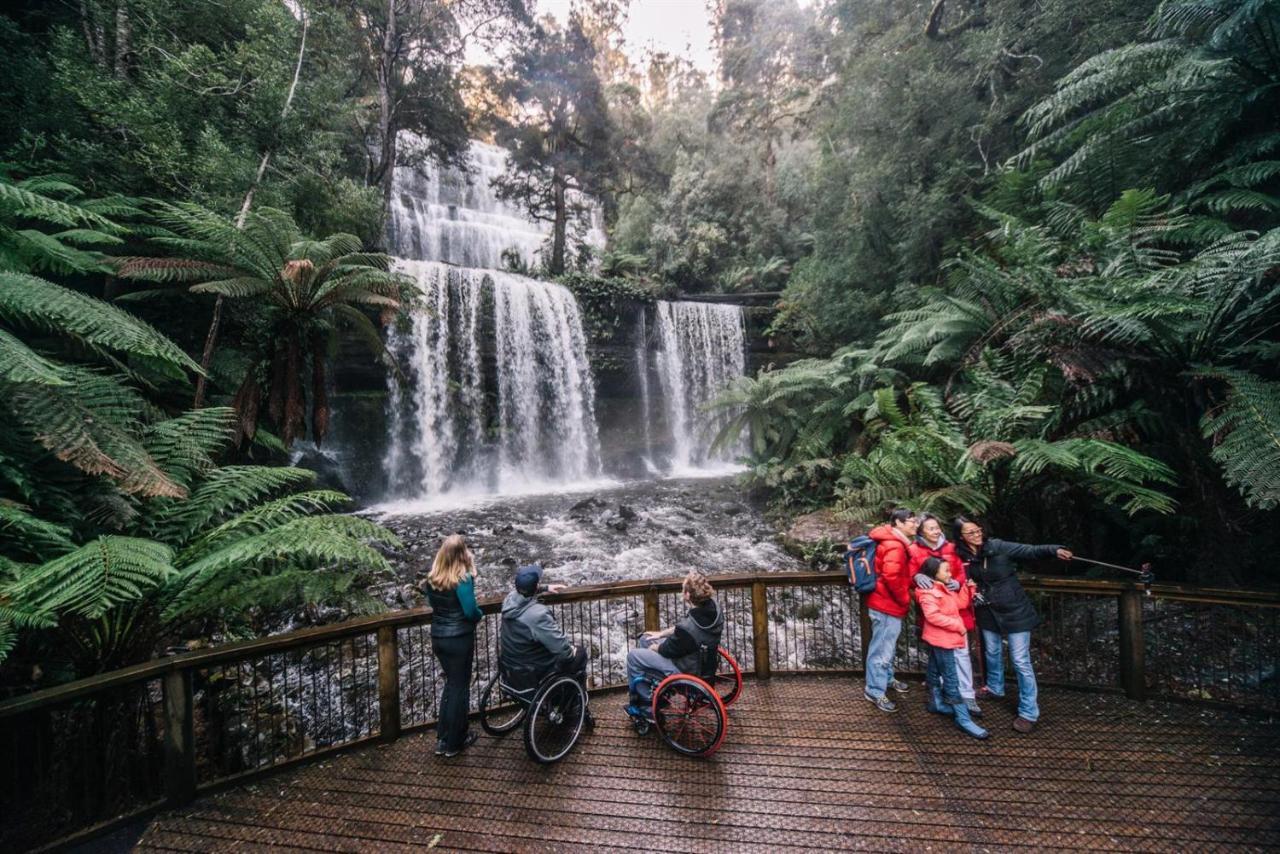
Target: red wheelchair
x,y
691,713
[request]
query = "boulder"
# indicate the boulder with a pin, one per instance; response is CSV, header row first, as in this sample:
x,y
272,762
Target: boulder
x,y
626,511
818,537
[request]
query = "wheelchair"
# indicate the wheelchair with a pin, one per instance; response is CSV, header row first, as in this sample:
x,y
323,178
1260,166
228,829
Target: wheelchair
x,y
554,713
690,713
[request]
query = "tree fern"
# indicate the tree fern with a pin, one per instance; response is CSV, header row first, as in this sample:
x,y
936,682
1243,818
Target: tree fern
x,y
1245,432
223,492
94,578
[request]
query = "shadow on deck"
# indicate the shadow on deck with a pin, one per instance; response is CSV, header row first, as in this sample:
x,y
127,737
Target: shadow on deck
x,y
807,763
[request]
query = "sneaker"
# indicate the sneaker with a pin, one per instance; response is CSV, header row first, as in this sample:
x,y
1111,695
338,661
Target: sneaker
x,y
899,686
439,747
985,693
884,704
1023,725
469,740
974,710
588,720
970,728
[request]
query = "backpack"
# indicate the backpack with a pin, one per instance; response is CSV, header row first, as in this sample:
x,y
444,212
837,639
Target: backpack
x,y
860,563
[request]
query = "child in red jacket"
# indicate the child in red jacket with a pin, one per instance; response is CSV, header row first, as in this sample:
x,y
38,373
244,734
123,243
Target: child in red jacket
x,y
944,633
932,542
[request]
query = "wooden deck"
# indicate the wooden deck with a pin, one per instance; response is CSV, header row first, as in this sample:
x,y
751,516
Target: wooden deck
x,y
807,763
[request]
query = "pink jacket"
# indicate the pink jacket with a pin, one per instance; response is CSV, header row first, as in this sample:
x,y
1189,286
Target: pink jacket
x,y
941,608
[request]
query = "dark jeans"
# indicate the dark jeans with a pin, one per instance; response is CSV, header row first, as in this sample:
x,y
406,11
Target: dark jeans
x,y
577,666
455,655
942,669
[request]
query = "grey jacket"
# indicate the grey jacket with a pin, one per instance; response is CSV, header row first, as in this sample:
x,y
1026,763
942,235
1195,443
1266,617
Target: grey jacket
x,y
531,641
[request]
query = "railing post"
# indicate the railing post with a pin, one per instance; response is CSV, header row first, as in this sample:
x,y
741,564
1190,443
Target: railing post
x,y
179,738
760,628
864,628
388,683
1133,677
651,611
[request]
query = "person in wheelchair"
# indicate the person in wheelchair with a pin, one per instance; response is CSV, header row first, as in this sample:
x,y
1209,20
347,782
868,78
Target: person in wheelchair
x,y
690,646
532,645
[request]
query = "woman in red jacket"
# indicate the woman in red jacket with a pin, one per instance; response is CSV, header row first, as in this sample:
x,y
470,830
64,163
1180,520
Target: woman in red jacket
x,y
944,633
931,542
888,604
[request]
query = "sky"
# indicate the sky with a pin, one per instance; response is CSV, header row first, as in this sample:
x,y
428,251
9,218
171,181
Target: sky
x,y
680,27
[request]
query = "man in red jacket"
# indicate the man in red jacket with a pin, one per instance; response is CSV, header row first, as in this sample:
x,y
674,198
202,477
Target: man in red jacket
x,y
888,604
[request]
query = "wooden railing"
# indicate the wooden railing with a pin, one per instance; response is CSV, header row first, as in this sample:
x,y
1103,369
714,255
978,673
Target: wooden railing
x,y
89,755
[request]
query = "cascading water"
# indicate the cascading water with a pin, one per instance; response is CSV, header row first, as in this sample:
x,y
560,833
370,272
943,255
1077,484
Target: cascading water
x,y
511,416
443,214
702,350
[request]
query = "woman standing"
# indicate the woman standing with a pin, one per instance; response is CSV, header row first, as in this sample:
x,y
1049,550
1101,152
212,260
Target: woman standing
x,y
1004,611
451,592
931,542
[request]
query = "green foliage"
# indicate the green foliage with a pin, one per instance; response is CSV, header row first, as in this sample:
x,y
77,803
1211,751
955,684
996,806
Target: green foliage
x,y
303,291
110,509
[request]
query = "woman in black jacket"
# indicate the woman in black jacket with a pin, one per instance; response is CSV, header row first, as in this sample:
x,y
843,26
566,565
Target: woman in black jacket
x,y
450,588
1004,611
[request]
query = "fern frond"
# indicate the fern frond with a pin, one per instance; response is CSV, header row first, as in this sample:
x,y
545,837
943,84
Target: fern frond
x,y
41,305
1245,431
94,578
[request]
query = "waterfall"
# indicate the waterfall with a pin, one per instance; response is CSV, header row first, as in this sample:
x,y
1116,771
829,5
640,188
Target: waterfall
x,y
443,436
701,351
642,375
444,214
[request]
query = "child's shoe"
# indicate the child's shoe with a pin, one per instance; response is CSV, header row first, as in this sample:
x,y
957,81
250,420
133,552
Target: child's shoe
x,y
966,723
934,702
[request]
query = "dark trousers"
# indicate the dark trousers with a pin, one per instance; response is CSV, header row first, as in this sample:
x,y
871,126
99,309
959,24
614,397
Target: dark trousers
x,y
455,655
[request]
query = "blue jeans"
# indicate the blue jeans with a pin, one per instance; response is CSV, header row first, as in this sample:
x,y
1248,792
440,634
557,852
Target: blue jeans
x,y
942,671
1020,655
644,660
885,629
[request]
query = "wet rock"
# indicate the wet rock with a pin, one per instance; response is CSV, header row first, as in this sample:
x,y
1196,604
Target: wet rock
x,y
689,532
625,511
586,505
817,537
732,509
619,525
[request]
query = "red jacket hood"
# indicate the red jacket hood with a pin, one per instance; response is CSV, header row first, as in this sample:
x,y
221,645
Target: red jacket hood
x,y
887,533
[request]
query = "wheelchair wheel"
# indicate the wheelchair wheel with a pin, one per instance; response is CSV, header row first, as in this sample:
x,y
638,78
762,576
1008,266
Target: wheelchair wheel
x,y
555,720
499,714
689,715
728,678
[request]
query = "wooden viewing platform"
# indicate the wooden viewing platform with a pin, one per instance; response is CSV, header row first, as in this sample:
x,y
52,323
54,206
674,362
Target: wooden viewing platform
x,y
807,763
1159,732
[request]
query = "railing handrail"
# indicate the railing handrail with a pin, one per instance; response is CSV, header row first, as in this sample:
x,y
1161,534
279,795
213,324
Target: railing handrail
x,y
239,650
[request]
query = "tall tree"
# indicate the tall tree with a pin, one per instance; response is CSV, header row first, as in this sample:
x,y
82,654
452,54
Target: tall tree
x,y
411,54
556,127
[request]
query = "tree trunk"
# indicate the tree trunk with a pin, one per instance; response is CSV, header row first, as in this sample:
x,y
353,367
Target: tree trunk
x,y
94,36
559,224
386,168
124,39
211,339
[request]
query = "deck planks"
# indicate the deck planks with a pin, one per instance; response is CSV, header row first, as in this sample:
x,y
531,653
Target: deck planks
x,y
807,764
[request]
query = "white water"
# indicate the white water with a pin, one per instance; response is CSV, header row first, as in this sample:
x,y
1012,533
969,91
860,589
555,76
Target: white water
x,y
444,438
702,350
446,215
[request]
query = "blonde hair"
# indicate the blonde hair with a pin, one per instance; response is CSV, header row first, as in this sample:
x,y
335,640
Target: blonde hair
x,y
697,588
452,564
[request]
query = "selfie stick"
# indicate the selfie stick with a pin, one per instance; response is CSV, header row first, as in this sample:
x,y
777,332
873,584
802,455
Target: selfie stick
x,y
1144,575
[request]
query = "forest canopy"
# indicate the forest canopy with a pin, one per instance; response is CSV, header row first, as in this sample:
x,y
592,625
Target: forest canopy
x,y
1028,255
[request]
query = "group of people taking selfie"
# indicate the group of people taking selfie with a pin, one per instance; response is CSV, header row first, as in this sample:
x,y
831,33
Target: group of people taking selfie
x,y
966,590
959,586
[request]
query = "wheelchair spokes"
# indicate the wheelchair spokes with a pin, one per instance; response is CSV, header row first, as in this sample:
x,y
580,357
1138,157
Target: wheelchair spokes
x,y
689,714
556,718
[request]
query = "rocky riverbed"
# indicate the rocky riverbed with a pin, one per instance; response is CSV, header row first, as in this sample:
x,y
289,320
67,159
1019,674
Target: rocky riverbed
x,y
647,529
